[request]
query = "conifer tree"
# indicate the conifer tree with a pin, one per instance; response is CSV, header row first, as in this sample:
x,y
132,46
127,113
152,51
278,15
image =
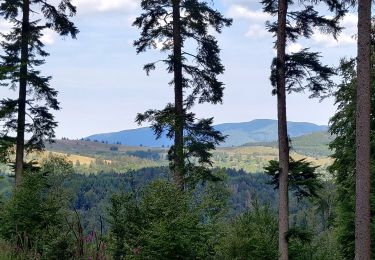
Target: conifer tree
x,y
195,68
343,128
296,72
303,180
23,52
363,134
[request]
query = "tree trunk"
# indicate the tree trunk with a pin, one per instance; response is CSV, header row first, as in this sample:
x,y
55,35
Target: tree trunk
x,y
179,164
363,133
20,142
282,132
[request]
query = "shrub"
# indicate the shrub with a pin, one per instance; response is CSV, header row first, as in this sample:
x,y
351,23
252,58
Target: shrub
x,y
163,222
253,235
34,218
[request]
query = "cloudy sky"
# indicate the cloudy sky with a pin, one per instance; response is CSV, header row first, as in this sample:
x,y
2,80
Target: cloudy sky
x,y
102,86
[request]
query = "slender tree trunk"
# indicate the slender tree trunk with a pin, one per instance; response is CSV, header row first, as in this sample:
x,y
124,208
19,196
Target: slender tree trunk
x,y
283,132
179,164
20,142
363,130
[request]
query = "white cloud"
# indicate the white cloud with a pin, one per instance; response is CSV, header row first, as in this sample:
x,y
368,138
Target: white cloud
x,y
257,31
241,12
105,5
328,41
49,37
293,48
350,21
346,37
5,26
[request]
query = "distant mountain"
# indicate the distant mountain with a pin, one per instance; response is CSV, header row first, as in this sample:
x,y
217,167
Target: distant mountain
x,y
259,130
134,137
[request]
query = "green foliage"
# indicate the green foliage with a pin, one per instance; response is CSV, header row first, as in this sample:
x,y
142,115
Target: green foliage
x,y
304,70
34,218
312,235
164,222
304,182
253,235
314,145
343,125
25,37
307,245
135,224
126,223
173,227
6,145
195,75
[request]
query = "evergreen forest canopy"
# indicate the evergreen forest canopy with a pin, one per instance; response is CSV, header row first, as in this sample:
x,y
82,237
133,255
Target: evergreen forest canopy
x,y
258,190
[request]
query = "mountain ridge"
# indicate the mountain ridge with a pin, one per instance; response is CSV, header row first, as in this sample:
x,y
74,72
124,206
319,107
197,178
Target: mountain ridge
x,y
258,130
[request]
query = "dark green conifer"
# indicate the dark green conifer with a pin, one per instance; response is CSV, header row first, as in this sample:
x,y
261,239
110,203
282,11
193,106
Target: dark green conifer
x,y
296,72
303,179
343,128
195,67
29,114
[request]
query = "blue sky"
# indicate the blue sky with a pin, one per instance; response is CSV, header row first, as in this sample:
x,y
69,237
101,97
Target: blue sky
x,y
102,85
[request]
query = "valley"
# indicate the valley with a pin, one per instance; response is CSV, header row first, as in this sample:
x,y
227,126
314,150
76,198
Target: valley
x,y
99,157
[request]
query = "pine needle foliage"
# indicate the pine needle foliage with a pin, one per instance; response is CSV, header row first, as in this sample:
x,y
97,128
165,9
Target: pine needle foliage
x,y
304,70
297,72
343,127
23,52
304,181
181,29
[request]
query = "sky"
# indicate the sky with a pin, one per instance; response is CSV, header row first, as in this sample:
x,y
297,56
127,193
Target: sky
x,y
102,85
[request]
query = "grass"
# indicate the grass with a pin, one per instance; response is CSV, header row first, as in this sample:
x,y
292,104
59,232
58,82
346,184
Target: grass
x,y
6,252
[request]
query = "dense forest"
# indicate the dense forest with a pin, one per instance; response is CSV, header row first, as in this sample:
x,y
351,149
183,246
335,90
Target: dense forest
x,y
307,196
90,203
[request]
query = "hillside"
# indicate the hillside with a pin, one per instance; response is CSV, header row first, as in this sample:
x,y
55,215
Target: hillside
x,y
106,157
313,145
96,157
259,130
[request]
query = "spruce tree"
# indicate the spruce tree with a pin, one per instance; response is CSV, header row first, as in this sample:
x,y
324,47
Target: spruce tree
x,y
296,72
343,128
195,68
23,52
363,134
303,180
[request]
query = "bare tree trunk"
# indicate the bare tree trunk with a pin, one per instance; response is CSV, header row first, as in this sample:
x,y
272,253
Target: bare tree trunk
x,y
179,164
363,130
20,142
282,132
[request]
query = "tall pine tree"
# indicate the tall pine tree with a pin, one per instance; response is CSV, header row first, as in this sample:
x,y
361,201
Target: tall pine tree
x,y
343,128
363,134
195,68
22,53
296,72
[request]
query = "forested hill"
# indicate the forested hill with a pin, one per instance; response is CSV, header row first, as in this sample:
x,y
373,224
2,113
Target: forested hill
x,y
314,144
259,130
96,157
